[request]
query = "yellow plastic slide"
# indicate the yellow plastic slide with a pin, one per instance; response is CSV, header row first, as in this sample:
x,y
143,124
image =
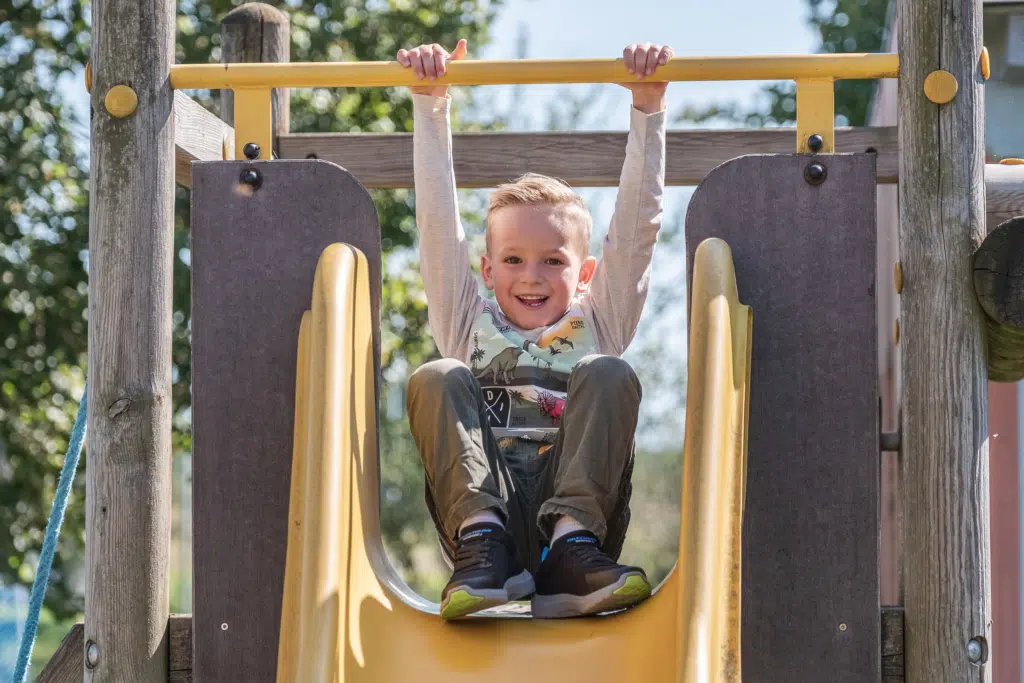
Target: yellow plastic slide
x,y
348,617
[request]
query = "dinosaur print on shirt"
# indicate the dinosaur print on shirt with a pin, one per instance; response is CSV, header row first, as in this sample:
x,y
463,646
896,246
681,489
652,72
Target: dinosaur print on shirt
x,y
524,382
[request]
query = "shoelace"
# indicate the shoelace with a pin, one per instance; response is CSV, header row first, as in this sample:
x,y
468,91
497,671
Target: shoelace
x,y
477,553
589,555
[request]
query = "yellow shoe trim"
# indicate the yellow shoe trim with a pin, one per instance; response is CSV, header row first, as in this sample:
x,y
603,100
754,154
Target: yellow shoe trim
x,y
634,587
459,604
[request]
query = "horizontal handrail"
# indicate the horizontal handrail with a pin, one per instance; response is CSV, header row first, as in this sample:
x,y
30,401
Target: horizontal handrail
x,y
533,71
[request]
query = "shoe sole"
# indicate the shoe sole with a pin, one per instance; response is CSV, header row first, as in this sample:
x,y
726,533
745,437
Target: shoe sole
x,y
465,600
629,590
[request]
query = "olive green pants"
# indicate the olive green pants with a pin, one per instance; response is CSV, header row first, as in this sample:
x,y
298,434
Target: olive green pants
x,y
586,474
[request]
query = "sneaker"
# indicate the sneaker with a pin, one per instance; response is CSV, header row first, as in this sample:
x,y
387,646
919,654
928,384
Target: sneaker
x,y
487,573
576,577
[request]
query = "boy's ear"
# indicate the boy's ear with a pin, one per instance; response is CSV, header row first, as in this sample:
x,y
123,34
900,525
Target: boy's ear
x,y
486,272
587,269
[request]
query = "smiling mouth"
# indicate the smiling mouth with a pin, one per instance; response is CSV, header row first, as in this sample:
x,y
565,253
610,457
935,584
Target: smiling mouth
x,y
532,301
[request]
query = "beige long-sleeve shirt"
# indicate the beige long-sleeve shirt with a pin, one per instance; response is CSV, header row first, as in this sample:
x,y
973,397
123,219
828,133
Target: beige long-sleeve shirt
x,y
614,301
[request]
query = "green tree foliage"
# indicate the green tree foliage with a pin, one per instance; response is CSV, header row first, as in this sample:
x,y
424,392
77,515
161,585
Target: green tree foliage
x,y
44,224
844,26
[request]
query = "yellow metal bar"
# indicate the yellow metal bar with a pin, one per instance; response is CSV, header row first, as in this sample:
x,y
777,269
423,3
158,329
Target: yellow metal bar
x,y
252,121
526,71
815,114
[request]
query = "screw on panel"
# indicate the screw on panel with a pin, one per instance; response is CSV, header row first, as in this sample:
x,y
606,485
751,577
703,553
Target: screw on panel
x,y
251,151
252,178
815,173
815,143
842,627
224,626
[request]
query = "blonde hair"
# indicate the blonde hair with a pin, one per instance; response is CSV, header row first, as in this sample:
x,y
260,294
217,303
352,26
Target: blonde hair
x,y
532,189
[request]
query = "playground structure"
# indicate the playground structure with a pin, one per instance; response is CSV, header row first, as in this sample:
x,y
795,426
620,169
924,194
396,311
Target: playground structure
x,y
804,262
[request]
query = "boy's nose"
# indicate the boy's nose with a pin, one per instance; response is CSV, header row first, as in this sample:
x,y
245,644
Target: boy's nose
x,y
531,273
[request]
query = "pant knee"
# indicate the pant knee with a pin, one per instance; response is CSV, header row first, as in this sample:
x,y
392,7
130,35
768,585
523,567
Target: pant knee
x,y
607,372
438,376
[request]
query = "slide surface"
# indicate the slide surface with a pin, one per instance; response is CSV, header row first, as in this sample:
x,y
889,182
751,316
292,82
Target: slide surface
x,y
348,617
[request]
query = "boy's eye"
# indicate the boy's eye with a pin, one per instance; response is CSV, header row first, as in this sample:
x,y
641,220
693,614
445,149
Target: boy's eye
x,y
554,261
513,260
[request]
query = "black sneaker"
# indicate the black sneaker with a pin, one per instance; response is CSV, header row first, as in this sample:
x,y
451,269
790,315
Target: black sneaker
x,y
577,578
487,572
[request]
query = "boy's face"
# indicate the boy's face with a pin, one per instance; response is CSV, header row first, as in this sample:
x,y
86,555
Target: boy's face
x,y
536,263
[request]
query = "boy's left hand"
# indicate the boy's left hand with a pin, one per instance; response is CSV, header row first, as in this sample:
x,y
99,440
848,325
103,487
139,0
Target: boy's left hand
x,y
643,60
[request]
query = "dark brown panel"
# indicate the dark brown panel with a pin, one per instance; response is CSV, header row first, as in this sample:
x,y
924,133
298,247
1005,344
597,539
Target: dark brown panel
x,y
805,263
254,255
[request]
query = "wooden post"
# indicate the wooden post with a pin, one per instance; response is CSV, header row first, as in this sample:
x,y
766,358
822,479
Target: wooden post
x,y
945,396
128,477
257,32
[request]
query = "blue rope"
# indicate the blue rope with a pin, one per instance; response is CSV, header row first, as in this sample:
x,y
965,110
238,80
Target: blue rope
x,y
60,503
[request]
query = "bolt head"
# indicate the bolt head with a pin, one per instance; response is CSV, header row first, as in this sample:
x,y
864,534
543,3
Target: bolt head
x,y
92,654
251,151
815,143
251,177
974,650
815,173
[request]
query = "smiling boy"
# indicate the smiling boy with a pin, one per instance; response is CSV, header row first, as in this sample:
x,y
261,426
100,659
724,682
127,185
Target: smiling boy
x,y
526,426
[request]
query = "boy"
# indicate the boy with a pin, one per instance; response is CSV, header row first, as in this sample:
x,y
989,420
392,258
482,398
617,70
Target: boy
x,y
526,426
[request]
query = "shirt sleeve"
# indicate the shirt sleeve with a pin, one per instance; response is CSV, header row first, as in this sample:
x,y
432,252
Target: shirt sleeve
x,y
619,288
453,299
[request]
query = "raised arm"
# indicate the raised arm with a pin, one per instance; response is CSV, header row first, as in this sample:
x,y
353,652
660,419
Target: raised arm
x,y
452,291
618,290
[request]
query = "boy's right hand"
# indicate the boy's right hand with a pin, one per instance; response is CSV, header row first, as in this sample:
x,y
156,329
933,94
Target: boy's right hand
x,y
430,62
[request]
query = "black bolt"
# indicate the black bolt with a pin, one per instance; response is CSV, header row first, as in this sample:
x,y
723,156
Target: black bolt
x,y
251,151
251,177
815,143
815,174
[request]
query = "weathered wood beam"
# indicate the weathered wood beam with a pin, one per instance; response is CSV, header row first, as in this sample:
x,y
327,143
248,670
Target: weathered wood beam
x,y
257,32
384,160
131,252
999,284
947,558
198,136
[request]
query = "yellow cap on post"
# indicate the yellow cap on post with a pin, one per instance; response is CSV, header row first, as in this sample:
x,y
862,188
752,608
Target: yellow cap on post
x,y
121,101
940,87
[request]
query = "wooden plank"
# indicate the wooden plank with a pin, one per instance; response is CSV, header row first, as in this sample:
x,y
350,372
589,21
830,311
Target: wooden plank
x,y
180,628
66,664
1004,193
254,254
198,136
805,264
257,32
892,645
131,251
384,160
947,592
